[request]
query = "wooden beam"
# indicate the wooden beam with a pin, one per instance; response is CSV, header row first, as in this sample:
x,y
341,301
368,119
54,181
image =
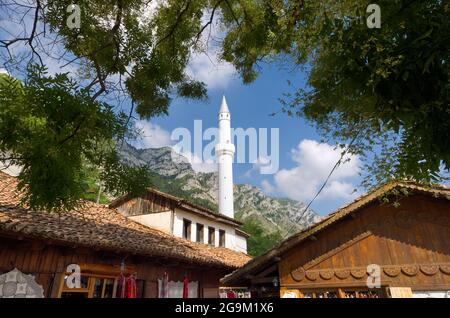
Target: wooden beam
x,y
267,271
263,280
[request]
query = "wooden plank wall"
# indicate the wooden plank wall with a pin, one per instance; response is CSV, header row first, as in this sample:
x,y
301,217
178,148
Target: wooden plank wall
x,y
145,204
48,263
411,243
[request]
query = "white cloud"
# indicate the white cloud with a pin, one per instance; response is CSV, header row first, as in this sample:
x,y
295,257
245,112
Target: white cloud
x,y
152,135
200,165
268,187
314,162
207,68
339,189
258,166
205,65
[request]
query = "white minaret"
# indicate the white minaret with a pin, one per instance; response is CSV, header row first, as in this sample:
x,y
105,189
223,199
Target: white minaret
x,y
224,154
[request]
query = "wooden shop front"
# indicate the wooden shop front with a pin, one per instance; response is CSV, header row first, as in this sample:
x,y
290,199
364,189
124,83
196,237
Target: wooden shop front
x,y
107,249
392,242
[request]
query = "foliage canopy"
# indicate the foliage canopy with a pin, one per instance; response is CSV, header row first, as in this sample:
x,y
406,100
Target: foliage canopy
x,y
386,89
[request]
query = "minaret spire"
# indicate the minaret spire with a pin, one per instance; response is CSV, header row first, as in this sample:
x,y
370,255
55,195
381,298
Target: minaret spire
x,y
224,106
224,155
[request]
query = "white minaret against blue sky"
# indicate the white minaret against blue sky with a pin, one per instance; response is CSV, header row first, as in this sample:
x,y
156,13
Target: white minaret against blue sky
x,y
224,154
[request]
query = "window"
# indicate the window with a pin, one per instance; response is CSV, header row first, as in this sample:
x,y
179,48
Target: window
x,y
140,288
90,287
100,281
82,292
103,287
187,229
200,234
221,238
211,236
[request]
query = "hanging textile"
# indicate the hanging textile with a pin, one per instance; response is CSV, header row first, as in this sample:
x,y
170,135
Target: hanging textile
x,y
131,287
165,285
231,294
193,289
120,292
223,295
185,287
176,289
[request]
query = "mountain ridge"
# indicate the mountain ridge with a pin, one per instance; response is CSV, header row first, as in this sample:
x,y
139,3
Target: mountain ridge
x,y
174,174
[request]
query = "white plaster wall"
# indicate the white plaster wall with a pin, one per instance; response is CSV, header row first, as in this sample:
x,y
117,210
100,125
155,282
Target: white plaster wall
x,y
241,243
230,236
161,220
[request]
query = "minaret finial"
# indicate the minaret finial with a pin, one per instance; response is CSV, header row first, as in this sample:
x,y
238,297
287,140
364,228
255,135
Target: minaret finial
x,y
224,106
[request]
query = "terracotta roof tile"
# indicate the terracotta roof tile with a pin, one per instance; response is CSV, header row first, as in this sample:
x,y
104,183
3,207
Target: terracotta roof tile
x,y
98,226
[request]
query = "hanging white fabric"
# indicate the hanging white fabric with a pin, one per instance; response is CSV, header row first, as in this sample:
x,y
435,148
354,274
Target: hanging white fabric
x,y
176,289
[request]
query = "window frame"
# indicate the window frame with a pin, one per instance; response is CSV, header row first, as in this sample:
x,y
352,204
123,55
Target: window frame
x,y
187,231
211,236
200,238
222,238
89,290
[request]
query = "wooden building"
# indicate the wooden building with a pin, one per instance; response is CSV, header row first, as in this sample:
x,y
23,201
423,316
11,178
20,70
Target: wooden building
x,y
107,247
399,233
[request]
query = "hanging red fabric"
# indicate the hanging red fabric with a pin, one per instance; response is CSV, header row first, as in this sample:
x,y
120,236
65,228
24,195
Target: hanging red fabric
x,y
131,287
185,287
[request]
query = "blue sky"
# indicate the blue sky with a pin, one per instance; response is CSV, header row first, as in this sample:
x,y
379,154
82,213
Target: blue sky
x,y
304,161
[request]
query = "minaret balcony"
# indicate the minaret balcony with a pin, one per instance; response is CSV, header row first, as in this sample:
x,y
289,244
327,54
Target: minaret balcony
x,y
225,149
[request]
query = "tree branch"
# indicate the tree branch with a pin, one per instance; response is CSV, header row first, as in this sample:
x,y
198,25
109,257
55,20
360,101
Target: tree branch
x,y
177,22
211,18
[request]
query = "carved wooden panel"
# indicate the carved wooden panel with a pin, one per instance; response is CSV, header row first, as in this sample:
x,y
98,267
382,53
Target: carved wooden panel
x,y
312,275
324,274
358,272
429,269
410,270
298,274
342,273
392,271
445,269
